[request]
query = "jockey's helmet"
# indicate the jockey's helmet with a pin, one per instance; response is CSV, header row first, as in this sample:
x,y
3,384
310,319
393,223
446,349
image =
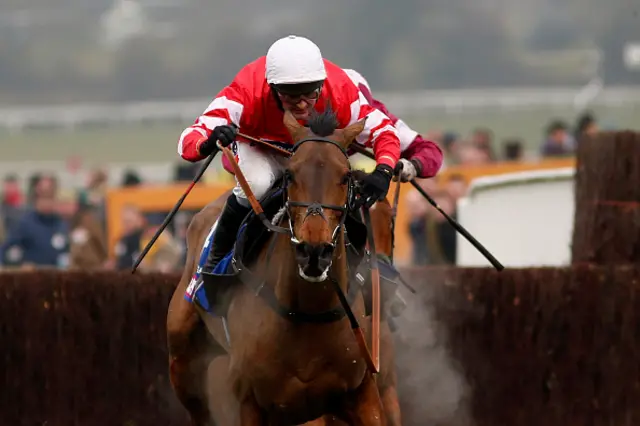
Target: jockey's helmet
x,y
295,65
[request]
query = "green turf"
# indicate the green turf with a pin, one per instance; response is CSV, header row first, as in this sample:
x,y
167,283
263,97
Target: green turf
x,y
158,142
129,143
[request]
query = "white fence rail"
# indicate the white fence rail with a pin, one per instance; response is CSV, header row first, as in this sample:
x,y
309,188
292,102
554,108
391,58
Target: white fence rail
x,y
406,103
524,218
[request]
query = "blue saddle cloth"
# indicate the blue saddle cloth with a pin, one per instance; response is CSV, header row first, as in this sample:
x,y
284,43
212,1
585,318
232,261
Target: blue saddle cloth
x,y
195,290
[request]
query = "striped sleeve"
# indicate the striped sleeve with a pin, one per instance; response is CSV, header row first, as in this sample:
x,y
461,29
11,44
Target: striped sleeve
x,y
379,132
426,154
412,146
226,108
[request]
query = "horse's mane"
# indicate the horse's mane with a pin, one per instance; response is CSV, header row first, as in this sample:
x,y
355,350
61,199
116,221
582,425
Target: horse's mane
x,y
323,124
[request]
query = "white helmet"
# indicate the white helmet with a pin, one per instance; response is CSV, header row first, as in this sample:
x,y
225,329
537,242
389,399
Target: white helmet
x,y
357,78
294,60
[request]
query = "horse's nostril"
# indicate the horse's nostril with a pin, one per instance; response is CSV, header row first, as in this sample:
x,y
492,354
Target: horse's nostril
x,y
327,251
314,259
303,250
312,253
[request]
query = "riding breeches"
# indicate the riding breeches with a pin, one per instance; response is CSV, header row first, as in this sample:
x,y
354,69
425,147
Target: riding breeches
x,y
260,168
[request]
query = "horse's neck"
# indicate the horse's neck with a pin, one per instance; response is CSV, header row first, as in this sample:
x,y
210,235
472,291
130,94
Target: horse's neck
x,y
300,295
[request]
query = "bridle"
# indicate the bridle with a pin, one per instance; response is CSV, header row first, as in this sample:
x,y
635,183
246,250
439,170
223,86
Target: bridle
x,y
315,208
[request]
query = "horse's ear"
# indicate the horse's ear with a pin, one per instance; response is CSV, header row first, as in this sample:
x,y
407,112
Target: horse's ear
x,y
294,128
351,132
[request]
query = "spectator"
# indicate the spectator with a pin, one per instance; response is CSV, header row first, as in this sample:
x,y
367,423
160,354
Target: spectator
x,y
451,145
185,172
128,246
456,187
418,209
11,204
131,178
482,138
3,232
88,245
559,142
513,150
39,184
95,194
472,155
165,255
40,236
586,125
441,236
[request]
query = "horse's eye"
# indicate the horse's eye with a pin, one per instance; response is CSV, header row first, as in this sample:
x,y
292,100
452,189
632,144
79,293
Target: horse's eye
x,y
288,176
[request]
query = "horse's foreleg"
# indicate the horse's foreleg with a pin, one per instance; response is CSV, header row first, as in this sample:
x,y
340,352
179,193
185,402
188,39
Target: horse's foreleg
x,y
366,409
188,358
388,380
389,396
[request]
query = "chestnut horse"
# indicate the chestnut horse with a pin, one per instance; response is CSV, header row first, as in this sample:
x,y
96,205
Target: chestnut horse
x,y
382,223
287,351
186,322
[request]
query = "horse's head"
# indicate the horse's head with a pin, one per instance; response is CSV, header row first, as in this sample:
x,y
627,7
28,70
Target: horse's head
x,y
319,186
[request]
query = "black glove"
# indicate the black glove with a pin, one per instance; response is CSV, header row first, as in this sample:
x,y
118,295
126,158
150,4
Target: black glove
x,y
226,134
374,186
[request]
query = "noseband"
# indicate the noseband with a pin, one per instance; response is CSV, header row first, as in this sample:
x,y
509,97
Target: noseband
x,y
315,208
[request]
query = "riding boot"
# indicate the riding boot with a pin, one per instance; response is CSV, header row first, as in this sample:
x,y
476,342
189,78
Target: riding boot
x,y
226,231
393,303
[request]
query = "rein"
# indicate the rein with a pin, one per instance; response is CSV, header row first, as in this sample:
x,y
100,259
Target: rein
x,y
317,209
394,212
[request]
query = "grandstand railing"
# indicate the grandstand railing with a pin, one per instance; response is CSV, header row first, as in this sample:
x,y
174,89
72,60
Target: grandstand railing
x,y
16,118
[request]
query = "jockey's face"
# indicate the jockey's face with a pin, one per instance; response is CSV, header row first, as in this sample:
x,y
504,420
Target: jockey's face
x,y
300,106
299,98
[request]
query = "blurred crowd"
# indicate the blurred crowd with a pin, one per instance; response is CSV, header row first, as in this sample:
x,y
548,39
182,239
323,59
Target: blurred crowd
x,y
44,225
434,240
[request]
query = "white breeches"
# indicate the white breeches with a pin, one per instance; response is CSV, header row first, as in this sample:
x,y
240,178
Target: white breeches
x,y
260,168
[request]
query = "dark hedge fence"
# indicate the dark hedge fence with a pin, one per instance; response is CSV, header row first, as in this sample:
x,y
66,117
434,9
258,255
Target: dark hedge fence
x,y
607,195
536,346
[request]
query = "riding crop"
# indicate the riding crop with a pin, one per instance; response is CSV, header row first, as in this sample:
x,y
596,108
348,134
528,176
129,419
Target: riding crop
x,y
174,210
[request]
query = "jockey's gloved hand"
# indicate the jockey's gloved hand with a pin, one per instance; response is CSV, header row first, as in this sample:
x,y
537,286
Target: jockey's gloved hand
x,y
226,134
407,169
375,185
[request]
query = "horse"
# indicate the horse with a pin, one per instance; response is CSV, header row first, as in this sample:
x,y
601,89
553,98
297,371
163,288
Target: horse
x,y
387,382
281,333
184,319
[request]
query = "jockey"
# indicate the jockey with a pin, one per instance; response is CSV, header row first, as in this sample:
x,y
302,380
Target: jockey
x,y
419,157
292,76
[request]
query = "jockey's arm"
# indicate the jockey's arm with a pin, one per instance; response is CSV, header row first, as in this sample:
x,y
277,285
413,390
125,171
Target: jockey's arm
x,y
425,155
226,108
379,133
